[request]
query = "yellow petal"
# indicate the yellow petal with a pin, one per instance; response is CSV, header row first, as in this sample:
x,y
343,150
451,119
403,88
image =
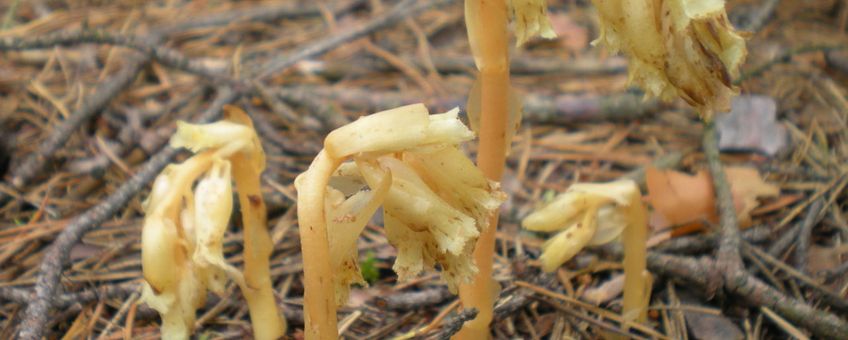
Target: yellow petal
x,y
568,242
530,18
345,221
677,48
228,136
566,209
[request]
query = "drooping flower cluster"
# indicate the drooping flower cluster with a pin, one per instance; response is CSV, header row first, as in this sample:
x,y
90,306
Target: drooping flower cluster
x,y
186,218
594,214
677,48
530,18
435,201
586,214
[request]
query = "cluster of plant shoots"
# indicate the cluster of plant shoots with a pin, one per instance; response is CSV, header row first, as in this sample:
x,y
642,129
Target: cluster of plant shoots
x,y
435,202
186,219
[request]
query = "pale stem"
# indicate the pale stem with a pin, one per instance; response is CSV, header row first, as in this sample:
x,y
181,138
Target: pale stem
x,y
259,292
319,293
491,155
635,237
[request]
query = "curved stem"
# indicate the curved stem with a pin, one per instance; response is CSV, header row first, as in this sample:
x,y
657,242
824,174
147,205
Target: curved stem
x,y
319,293
487,26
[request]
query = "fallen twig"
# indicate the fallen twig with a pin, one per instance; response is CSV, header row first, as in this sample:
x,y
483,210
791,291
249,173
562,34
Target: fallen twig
x,y
453,324
400,11
728,257
147,46
24,296
791,235
34,164
745,286
806,233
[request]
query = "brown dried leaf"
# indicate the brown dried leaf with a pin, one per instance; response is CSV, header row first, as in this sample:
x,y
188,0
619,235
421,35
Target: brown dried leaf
x,y
679,198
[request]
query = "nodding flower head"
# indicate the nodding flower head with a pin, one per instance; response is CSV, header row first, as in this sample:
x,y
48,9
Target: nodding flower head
x,y
677,48
586,214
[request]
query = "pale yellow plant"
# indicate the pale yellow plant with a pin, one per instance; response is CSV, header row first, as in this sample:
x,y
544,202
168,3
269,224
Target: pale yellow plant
x,y
435,204
494,112
530,18
677,48
184,229
589,214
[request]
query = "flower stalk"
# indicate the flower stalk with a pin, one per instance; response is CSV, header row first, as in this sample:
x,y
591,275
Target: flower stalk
x,y
486,22
435,204
185,225
593,214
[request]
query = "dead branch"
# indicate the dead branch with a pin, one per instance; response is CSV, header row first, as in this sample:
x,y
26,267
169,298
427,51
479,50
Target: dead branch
x,y
34,164
729,259
146,46
400,11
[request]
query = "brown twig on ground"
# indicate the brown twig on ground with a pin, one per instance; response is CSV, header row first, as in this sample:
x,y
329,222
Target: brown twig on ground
x,y
790,236
33,165
264,13
700,243
829,298
560,108
453,324
400,11
462,64
751,290
761,15
786,58
591,320
147,46
413,300
806,233
728,258
56,256
743,285
100,162
23,296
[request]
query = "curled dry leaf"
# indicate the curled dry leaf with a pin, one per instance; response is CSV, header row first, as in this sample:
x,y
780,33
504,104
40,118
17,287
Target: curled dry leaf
x,y
679,198
677,48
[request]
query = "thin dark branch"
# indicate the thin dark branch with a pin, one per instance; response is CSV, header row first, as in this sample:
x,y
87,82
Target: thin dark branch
x,y
413,300
453,324
36,315
400,11
728,256
265,13
149,47
751,290
34,164
705,242
786,58
24,296
806,233
790,236
743,285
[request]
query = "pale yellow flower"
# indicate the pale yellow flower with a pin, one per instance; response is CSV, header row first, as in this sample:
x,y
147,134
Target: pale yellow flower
x,y
677,48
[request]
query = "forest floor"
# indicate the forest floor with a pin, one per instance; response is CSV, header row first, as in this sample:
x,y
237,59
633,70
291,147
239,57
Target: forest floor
x,y
90,92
